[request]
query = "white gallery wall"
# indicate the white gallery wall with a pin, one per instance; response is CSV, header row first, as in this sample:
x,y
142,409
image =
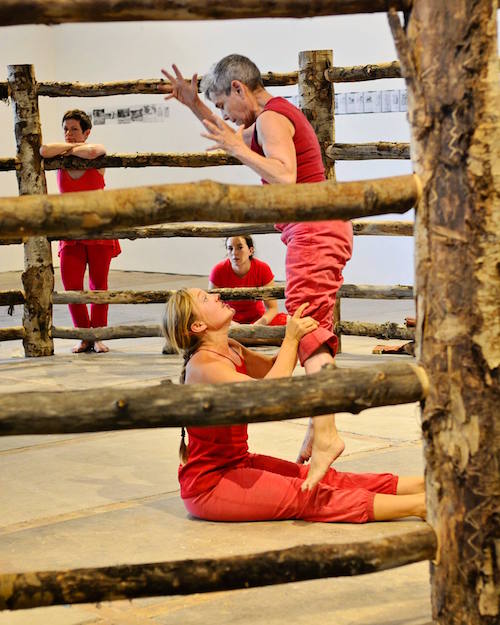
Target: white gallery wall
x,y
122,51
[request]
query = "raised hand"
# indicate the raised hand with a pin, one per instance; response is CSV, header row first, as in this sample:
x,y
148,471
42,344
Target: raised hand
x,y
224,137
182,90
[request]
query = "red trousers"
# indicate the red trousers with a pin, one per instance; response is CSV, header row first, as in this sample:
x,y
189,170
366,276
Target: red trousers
x,y
74,260
263,488
315,257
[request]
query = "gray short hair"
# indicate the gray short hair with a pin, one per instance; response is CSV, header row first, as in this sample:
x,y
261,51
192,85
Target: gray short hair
x,y
233,67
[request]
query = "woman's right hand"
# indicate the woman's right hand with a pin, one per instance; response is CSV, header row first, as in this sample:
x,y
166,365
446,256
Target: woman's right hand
x,y
185,92
298,326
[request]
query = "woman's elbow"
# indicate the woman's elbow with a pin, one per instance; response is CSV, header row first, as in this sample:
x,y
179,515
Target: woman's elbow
x,y
43,151
98,150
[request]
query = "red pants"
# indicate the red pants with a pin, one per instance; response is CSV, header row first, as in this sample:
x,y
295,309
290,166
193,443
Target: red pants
x,y
263,488
315,257
74,260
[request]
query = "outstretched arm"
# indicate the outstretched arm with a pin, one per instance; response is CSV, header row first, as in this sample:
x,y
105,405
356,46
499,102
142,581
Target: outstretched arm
x,y
186,93
82,150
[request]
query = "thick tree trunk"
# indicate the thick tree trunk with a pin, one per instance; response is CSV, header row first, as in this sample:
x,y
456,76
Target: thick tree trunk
x,y
73,214
38,276
448,57
172,405
22,590
59,11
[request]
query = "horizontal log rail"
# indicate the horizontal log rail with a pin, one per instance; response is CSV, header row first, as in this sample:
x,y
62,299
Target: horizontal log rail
x,y
11,298
337,151
183,577
11,334
71,214
173,405
359,73
361,228
388,330
15,12
277,291
368,151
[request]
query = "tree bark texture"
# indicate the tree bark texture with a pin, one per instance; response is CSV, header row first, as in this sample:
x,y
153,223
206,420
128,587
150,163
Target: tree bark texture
x,y
448,54
13,12
173,405
368,151
222,230
11,298
10,334
128,581
73,214
38,276
317,102
277,291
388,330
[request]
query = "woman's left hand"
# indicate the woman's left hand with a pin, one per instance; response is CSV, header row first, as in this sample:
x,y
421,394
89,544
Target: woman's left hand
x,y
224,137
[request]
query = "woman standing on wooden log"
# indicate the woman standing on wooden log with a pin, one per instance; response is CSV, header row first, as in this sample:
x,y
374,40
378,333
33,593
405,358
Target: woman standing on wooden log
x,y
76,255
220,480
242,269
276,141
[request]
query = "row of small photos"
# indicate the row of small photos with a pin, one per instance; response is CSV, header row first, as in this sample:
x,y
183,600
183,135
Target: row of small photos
x,y
389,101
146,113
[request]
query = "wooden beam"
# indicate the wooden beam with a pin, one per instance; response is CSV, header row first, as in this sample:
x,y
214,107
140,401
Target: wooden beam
x,y
368,151
11,334
14,12
11,297
356,291
358,73
388,330
73,214
38,275
172,405
183,577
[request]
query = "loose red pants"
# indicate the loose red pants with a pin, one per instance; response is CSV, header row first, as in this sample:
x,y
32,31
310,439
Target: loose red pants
x,y
74,260
262,488
316,255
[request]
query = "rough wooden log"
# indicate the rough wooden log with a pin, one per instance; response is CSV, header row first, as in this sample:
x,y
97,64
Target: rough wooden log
x,y
358,73
10,334
277,291
172,405
11,298
91,585
336,322
316,100
71,214
145,159
448,54
108,332
388,330
365,228
38,275
14,12
368,151
8,164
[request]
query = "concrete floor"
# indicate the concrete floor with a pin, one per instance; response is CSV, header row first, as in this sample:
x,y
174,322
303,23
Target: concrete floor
x,y
108,498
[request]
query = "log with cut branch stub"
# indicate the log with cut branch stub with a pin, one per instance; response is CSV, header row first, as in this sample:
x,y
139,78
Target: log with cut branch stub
x,y
357,73
13,12
128,581
71,214
172,405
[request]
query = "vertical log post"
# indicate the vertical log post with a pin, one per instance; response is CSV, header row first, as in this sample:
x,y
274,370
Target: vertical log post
x,y
38,275
317,101
448,53
336,323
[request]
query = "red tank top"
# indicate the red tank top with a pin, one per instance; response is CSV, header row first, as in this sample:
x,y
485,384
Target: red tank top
x,y
260,274
92,180
212,450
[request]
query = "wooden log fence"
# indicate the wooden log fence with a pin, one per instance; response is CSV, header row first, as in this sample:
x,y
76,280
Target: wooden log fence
x,y
304,562
173,405
15,12
72,214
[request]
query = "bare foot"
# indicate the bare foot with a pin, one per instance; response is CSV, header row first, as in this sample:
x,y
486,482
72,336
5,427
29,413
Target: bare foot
x,y
323,454
307,445
83,346
100,348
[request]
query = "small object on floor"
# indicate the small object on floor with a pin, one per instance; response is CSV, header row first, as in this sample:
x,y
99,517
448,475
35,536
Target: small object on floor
x,y
410,322
407,348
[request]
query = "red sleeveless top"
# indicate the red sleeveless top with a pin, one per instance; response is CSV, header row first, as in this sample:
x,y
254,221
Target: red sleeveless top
x,y
212,450
92,180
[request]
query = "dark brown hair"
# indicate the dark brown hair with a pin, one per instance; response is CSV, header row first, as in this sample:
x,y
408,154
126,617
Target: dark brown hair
x,y
80,116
